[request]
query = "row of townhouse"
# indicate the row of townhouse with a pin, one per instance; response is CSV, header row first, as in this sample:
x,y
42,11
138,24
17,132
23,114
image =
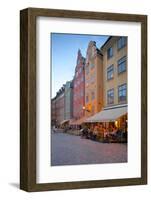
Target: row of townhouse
x,y
61,104
98,91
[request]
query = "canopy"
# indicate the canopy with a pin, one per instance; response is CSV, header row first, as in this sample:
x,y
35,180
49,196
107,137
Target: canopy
x,y
108,115
64,121
77,122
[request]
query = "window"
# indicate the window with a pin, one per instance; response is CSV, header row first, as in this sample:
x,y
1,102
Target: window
x,y
87,84
110,72
92,79
87,98
87,60
91,65
110,96
122,91
92,95
121,42
78,62
76,73
82,78
92,111
110,52
87,69
93,52
122,65
80,70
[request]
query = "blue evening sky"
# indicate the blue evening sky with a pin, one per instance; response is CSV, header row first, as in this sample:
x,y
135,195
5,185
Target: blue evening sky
x,y
64,55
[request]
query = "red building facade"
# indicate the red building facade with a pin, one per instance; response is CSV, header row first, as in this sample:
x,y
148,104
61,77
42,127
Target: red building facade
x,y
79,87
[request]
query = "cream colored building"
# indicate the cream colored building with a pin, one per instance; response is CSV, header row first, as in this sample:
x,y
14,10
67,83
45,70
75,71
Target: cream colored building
x,y
114,84
93,80
115,71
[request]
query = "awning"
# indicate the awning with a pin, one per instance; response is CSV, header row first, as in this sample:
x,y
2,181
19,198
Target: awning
x,y
64,121
72,121
77,122
81,120
108,115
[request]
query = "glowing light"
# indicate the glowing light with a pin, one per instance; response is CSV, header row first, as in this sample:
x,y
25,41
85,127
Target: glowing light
x,y
116,123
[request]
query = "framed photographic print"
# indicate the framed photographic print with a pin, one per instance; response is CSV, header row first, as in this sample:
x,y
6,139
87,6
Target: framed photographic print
x,y
83,99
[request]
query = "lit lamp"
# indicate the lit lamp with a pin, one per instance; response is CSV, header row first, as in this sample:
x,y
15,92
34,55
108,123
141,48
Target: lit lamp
x,y
116,124
84,108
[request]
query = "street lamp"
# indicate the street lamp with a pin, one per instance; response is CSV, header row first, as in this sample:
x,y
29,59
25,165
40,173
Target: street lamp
x,y
84,108
116,123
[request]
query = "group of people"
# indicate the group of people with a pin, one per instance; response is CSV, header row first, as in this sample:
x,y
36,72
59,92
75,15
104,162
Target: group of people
x,y
95,132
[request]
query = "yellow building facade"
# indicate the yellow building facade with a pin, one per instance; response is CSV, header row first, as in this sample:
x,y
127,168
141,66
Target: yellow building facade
x,y
112,84
93,80
115,73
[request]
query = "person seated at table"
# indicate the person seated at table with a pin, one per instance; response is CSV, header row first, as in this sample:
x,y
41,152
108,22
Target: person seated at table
x,y
85,132
114,131
96,130
90,133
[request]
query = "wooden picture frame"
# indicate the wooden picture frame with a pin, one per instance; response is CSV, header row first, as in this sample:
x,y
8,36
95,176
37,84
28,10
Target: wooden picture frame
x,y
28,98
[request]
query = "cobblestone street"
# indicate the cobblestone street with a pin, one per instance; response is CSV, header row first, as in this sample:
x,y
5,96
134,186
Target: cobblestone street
x,y
73,150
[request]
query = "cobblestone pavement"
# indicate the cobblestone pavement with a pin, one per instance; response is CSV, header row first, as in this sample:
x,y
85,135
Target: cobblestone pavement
x,y
73,150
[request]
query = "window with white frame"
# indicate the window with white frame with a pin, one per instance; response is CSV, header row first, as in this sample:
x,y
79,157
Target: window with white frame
x,y
110,72
122,93
110,52
110,96
121,64
121,42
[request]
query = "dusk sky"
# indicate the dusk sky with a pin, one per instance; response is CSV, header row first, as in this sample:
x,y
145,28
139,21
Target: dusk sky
x,y
64,55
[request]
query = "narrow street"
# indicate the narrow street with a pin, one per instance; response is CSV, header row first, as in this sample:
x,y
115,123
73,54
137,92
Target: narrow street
x,y
73,150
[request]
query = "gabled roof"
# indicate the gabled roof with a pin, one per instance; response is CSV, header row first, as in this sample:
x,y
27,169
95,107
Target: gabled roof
x,y
106,42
